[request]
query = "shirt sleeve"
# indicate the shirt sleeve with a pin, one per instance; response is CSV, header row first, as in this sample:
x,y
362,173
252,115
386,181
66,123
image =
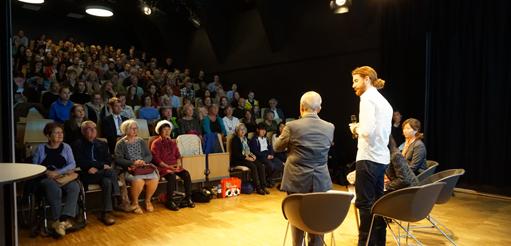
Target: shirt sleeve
x,y
282,141
367,120
68,155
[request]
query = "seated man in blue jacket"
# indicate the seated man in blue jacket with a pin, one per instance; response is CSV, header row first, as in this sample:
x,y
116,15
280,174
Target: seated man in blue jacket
x,y
263,150
93,157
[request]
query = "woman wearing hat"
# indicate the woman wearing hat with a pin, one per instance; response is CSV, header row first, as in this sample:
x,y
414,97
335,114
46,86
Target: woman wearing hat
x,y
166,156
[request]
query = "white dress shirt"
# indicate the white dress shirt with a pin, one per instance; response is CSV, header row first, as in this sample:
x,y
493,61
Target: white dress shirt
x,y
230,124
374,127
263,143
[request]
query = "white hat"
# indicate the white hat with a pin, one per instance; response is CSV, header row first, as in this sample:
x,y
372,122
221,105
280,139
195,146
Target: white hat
x,y
162,123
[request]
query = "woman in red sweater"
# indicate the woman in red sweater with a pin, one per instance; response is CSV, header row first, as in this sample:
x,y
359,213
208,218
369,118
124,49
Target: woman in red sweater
x,y
166,156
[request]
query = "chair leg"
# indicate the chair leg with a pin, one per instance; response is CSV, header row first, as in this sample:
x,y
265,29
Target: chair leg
x,y
398,238
409,234
370,230
285,235
435,224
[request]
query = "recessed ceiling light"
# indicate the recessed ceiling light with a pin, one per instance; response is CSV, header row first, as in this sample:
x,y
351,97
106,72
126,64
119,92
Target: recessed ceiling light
x,y
32,1
100,11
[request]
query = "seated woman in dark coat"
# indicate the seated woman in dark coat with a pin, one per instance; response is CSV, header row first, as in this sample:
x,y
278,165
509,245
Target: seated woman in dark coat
x,y
414,149
241,156
400,175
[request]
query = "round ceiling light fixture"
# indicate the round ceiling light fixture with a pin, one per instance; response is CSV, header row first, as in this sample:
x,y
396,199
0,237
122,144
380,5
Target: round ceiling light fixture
x,y
32,1
98,10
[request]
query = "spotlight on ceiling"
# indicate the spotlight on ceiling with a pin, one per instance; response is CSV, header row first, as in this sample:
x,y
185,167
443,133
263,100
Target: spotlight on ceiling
x,y
32,1
195,21
340,6
99,10
147,10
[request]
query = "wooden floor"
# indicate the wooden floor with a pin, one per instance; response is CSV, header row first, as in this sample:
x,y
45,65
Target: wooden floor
x,y
257,220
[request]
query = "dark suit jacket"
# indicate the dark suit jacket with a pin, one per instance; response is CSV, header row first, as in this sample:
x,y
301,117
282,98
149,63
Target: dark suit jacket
x,y
109,131
308,141
236,151
82,151
416,156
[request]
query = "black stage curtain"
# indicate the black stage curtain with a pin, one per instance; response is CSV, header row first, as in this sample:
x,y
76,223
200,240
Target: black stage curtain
x,y
467,96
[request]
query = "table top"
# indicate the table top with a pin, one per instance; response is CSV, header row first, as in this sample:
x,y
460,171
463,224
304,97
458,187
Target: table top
x,y
14,172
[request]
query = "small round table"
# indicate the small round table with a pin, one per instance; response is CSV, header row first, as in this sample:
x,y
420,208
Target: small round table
x,y
10,173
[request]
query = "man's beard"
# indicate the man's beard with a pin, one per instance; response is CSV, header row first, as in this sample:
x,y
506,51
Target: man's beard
x,y
360,90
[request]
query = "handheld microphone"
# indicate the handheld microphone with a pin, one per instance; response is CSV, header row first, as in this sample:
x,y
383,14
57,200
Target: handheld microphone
x,y
354,120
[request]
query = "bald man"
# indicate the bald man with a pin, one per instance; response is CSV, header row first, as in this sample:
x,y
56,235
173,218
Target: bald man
x,y
308,140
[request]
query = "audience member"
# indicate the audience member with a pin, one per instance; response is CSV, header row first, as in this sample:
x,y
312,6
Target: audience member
x,y
263,150
60,109
414,149
168,159
133,154
213,123
93,108
57,157
399,173
269,122
80,94
189,124
52,95
249,121
148,111
241,156
230,122
111,125
72,126
95,162
277,112
397,132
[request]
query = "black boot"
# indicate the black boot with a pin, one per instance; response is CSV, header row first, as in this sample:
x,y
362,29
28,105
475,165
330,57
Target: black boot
x,y
170,204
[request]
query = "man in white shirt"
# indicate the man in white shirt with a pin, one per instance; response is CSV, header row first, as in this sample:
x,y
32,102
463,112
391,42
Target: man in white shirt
x,y
373,156
230,122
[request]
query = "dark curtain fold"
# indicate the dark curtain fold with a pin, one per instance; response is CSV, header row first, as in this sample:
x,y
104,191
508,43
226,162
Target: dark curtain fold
x,y
469,105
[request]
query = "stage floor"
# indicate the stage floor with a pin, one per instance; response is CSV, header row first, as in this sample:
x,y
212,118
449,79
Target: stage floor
x,y
257,220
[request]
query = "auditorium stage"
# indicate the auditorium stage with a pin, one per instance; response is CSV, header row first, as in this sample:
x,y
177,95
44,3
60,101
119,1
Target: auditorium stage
x,y
257,220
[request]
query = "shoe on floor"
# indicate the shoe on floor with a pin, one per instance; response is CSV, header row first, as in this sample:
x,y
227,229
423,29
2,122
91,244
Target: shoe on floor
x,y
149,207
59,227
260,191
107,218
266,191
171,205
138,210
191,204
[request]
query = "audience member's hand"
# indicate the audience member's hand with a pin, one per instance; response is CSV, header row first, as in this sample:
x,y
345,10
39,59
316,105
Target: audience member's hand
x,y
93,170
105,166
52,174
353,127
270,157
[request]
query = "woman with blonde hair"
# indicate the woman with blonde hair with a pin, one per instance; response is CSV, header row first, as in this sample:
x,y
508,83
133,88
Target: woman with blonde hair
x,y
133,154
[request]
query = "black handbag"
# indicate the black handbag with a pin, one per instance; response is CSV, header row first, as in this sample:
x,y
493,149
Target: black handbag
x,y
204,195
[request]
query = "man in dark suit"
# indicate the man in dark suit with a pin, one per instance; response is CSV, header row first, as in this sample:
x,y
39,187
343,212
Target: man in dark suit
x,y
308,140
111,125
